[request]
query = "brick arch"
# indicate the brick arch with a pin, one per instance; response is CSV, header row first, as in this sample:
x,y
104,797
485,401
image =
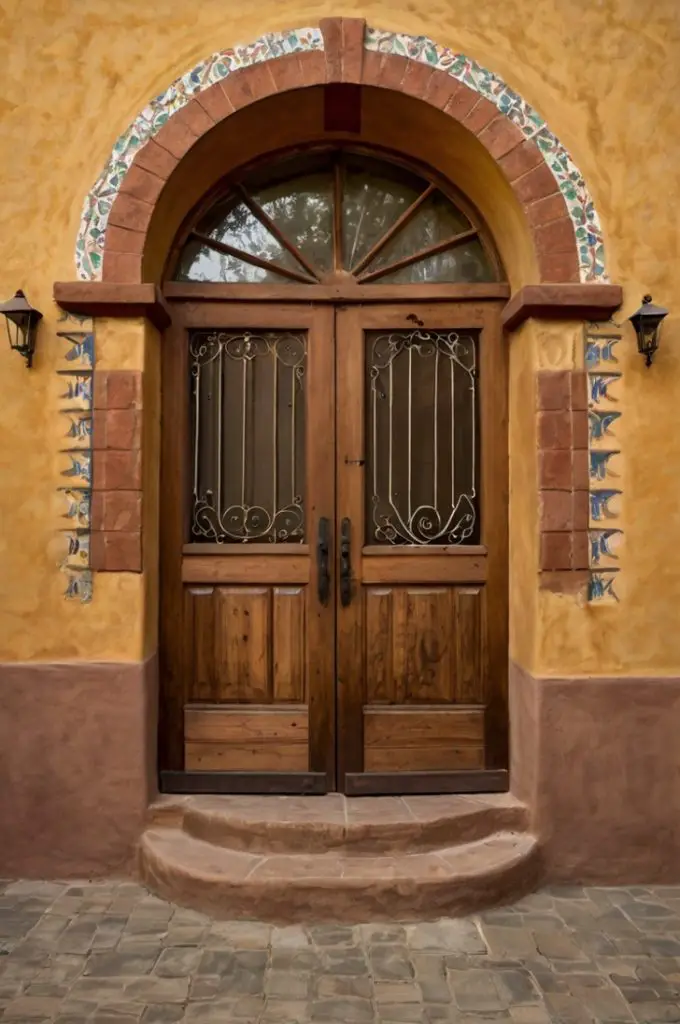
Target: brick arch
x,y
546,183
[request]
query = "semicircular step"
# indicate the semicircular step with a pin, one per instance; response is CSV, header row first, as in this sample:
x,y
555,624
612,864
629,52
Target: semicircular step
x,y
332,886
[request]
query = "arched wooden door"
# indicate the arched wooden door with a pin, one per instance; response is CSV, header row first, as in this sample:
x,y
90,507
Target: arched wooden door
x,y
334,489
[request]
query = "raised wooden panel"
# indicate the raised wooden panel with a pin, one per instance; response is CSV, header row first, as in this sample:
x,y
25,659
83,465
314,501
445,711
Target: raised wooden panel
x,y
289,644
256,739
410,652
424,645
470,682
201,621
243,643
436,739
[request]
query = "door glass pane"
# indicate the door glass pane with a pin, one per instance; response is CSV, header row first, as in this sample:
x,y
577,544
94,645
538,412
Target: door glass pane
x,y
422,437
248,445
374,197
303,210
466,263
436,220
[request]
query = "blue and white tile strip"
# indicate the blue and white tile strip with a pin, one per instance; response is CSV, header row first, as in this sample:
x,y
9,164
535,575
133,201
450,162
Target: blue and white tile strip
x,y
604,394
75,410
580,205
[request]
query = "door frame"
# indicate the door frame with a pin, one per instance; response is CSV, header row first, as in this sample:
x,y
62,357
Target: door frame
x,y
197,305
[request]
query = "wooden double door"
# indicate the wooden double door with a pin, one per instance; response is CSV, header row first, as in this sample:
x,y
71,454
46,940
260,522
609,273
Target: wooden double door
x,y
334,549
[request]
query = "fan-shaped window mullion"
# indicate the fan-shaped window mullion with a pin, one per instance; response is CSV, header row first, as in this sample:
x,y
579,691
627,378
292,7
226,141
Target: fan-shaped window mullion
x,y
249,257
336,213
274,230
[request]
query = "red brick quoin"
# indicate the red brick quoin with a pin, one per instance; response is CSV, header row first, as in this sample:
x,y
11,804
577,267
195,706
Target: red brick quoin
x,y
116,512
343,60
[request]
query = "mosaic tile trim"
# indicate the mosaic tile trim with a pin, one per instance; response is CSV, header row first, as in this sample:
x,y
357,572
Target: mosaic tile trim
x,y
100,199
606,492
580,205
75,410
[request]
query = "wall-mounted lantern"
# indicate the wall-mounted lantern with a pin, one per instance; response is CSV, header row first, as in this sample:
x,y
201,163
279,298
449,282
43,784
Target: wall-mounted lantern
x,y
22,323
647,323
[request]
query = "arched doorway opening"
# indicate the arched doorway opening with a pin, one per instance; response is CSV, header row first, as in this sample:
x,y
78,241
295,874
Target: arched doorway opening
x,y
334,484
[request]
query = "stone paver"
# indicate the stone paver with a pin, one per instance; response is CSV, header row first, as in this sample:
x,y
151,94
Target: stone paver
x,y
110,952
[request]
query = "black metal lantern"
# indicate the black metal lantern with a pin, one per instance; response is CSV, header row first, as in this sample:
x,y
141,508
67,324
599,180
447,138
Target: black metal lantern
x,y
22,321
647,323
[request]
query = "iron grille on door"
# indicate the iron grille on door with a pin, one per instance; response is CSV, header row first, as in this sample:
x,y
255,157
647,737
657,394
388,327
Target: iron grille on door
x,y
248,450
422,433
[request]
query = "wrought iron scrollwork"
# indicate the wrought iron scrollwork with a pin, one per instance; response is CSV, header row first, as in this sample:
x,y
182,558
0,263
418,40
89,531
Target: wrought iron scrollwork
x,y
216,516
403,516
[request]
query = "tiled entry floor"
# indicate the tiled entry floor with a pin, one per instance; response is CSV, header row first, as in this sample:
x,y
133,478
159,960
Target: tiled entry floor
x,y
111,953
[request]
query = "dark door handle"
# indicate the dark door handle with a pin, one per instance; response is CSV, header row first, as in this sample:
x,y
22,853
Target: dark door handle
x,y
345,563
322,552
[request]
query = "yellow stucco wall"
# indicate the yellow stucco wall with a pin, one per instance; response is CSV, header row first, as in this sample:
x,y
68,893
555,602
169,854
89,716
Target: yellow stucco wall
x,y
604,76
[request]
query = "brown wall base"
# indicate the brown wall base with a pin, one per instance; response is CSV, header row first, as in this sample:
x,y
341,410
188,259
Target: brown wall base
x,y
77,766
598,762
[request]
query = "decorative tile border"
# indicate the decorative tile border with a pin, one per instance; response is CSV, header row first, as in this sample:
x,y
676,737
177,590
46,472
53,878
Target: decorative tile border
x,y
605,382
75,410
579,202
150,120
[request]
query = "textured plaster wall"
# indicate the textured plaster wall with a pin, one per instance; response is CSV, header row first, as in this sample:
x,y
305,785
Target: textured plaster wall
x,y
605,77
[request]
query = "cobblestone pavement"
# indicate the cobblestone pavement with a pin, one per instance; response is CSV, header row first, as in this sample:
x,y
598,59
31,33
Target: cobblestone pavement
x,y
111,953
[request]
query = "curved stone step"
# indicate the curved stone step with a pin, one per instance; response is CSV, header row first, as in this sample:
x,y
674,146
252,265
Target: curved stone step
x,y
279,824
284,888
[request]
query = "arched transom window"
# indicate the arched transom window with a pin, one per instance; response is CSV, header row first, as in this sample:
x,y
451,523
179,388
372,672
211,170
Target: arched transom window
x,y
311,216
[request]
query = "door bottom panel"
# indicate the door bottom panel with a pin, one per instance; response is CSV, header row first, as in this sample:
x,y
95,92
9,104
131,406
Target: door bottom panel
x,y
412,783
278,783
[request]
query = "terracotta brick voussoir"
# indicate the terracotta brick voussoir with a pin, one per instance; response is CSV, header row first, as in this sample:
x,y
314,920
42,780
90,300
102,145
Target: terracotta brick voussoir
x,y
353,32
392,71
556,237
154,158
130,212
286,72
417,79
215,102
536,184
176,137
123,267
195,117
480,116
501,136
463,99
520,161
441,89
143,184
559,267
312,67
247,85
123,240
